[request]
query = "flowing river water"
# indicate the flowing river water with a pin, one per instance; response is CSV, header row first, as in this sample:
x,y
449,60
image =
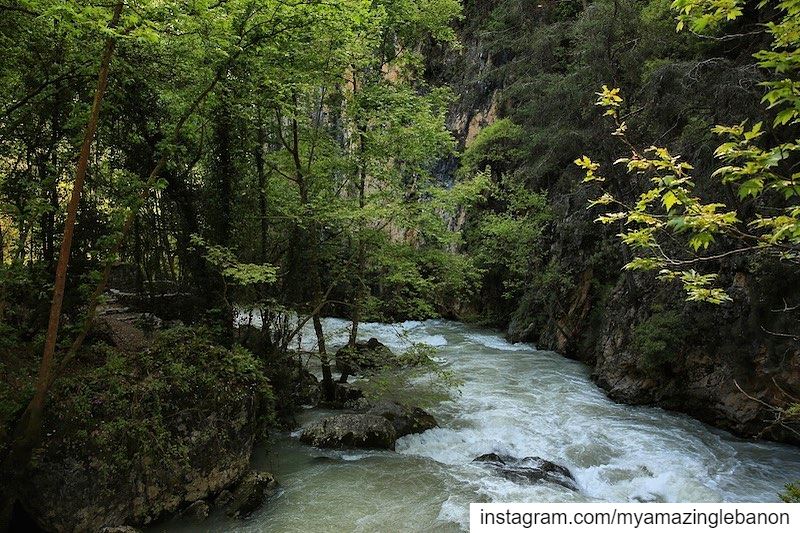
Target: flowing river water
x,y
514,400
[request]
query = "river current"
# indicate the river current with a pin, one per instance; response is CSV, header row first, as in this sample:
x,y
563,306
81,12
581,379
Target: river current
x,y
515,400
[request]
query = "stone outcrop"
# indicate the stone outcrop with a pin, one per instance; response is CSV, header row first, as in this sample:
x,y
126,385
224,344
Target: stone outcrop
x,y
364,357
716,363
406,420
250,494
146,435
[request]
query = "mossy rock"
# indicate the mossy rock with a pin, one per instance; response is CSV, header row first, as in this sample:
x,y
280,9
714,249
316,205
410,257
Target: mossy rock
x,y
131,437
365,357
406,420
351,431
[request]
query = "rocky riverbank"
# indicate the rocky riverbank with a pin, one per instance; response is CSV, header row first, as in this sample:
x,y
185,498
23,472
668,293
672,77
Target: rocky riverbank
x,y
735,366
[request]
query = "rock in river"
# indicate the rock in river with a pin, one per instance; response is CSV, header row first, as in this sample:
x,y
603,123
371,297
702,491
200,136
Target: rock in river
x,y
406,420
528,469
379,427
351,431
365,356
251,492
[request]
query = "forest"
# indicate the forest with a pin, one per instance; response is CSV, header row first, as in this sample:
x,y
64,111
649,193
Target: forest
x,y
509,250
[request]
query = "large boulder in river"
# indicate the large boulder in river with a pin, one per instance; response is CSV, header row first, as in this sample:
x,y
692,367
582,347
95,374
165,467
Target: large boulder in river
x,y
379,427
528,469
406,420
351,431
364,356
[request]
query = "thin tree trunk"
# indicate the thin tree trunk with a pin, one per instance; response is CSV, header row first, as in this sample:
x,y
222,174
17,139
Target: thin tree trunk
x,y
47,363
318,302
262,183
361,266
30,427
318,299
51,193
94,300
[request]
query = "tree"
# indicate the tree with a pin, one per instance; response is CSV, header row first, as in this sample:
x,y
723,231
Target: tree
x,y
28,430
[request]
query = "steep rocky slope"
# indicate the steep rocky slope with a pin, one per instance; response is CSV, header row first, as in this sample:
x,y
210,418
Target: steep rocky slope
x,y
735,366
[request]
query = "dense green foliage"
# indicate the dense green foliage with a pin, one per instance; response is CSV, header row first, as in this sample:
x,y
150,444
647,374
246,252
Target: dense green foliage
x,y
295,159
246,154
679,87
792,494
260,153
758,169
658,340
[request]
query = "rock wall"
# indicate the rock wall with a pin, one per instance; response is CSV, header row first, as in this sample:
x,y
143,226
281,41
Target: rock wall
x,y
730,366
735,366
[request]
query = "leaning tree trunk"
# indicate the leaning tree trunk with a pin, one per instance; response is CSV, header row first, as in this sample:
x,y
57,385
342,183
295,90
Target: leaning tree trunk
x,y
27,434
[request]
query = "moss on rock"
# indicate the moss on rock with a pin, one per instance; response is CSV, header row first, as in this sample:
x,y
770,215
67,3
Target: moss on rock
x,y
132,436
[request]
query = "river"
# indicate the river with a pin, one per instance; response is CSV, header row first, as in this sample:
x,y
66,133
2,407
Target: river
x,y
514,400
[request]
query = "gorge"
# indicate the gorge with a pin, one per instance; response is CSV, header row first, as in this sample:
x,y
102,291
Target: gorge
x,y
350,265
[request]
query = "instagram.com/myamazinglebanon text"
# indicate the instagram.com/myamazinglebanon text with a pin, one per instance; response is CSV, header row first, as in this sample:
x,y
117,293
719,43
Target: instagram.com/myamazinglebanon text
x,y
661,517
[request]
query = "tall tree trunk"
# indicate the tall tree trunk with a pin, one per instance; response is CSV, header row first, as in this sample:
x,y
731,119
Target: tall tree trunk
x,y
318,298
47,364
262,183
29,428
318,301
361,266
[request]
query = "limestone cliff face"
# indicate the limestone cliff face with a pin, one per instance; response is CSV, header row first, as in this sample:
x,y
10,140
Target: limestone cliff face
x,y
469,71
734,366
729,366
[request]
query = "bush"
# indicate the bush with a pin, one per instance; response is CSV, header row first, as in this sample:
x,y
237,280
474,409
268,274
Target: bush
x,y
660,341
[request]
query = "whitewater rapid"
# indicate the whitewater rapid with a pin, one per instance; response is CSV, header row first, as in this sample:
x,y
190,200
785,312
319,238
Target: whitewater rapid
x,y
519,401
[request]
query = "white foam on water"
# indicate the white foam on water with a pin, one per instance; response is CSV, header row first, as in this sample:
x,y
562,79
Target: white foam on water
x,y
354,456
522,402
518,401
398,337
497,342
452,510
